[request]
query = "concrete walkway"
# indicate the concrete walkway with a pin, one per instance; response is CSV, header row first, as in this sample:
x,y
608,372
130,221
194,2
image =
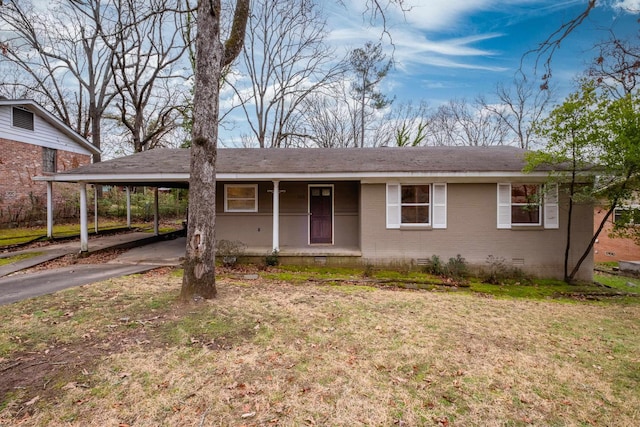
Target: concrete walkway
x,y
57,250
143,257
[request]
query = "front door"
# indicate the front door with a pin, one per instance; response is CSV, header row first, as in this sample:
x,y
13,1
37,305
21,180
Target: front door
x,y
321,218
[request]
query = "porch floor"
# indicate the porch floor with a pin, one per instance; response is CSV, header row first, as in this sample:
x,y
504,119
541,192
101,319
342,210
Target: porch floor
x,y
320,250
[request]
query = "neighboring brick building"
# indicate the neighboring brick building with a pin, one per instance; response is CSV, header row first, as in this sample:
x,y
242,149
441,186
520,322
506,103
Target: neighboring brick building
x,y
33,142
612,249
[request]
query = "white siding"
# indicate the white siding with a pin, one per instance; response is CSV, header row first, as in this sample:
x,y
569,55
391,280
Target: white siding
x,y
44,134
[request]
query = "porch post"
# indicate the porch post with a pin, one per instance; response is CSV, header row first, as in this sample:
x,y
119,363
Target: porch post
x,y
49,209
276,216
95,208
84,231
128,190
156,228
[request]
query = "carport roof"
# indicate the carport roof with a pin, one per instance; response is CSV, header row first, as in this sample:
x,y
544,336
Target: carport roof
x,y
171,166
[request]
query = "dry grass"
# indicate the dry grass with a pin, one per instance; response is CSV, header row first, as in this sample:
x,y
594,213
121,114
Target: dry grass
x,y
268,353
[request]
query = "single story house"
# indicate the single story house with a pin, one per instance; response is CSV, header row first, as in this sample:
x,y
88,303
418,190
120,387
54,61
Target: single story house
x,y
34,142
375,205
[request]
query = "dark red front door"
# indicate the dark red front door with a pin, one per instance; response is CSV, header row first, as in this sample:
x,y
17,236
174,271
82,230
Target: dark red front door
x,y
321,219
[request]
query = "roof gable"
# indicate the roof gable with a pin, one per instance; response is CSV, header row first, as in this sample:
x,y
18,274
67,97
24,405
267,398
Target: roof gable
x,y
53,121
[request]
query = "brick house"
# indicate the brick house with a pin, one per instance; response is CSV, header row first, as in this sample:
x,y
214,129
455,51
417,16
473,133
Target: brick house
x,y
33,142
613,248
370,206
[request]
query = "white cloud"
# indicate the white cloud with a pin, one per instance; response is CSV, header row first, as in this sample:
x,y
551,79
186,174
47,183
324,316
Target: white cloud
x,y
426,15
411,40
629,6
442,14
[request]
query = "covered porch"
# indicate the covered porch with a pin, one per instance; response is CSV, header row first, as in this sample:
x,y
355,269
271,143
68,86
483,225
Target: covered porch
x,y
287,219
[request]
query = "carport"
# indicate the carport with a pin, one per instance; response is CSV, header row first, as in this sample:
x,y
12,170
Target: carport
x,y
154,169
161,168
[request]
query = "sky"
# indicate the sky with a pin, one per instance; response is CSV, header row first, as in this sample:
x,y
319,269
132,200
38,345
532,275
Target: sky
x,y
452,49
461,49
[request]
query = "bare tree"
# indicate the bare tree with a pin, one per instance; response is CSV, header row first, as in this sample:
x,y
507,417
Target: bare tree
x,y
617,67
461,123
545,50
328,117
148,52
369,67
67,65
405,124
286,60
521,106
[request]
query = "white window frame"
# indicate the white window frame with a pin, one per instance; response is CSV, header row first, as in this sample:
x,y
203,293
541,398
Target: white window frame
x,y
539,190
618,211
437,206
226,197
548,207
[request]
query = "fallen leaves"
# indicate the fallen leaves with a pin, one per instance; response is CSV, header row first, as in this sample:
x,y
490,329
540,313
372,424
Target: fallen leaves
x,y
32,401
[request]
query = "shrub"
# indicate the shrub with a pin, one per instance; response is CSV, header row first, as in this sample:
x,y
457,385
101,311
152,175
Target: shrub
x,y
272,259
368,270
496,271
457,268
434,266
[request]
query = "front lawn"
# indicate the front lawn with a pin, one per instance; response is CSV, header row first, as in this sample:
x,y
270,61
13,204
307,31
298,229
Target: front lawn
x,y
333,349
16,236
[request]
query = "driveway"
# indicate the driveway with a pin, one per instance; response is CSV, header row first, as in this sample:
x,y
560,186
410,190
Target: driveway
x,y
17,287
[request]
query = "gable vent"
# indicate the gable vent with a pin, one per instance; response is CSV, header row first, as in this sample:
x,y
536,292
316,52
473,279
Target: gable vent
x,y
22,118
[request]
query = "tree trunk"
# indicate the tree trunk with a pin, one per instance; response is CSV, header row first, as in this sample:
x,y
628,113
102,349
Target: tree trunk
x,y
591,243
199,266
96,135
199,277
362,104
572,189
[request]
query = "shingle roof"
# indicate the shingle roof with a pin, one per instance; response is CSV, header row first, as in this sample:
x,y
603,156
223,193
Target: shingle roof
x,y
320,160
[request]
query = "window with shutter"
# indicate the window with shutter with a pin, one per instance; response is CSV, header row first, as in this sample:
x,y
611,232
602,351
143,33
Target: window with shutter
x,y
416,205
527,205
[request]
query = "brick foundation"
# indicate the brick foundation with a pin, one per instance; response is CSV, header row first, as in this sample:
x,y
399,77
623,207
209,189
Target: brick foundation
x,y
22,200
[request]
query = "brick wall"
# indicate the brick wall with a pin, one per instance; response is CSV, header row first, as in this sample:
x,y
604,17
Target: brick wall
x,y
612,249
22,200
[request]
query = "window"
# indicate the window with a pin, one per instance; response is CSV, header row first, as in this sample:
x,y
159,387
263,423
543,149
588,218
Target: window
x,y
626,215
416,205
527,204
22,118
241,198
49,160
618,215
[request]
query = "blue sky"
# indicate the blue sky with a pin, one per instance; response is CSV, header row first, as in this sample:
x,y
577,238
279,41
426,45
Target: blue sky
x,y
446,49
